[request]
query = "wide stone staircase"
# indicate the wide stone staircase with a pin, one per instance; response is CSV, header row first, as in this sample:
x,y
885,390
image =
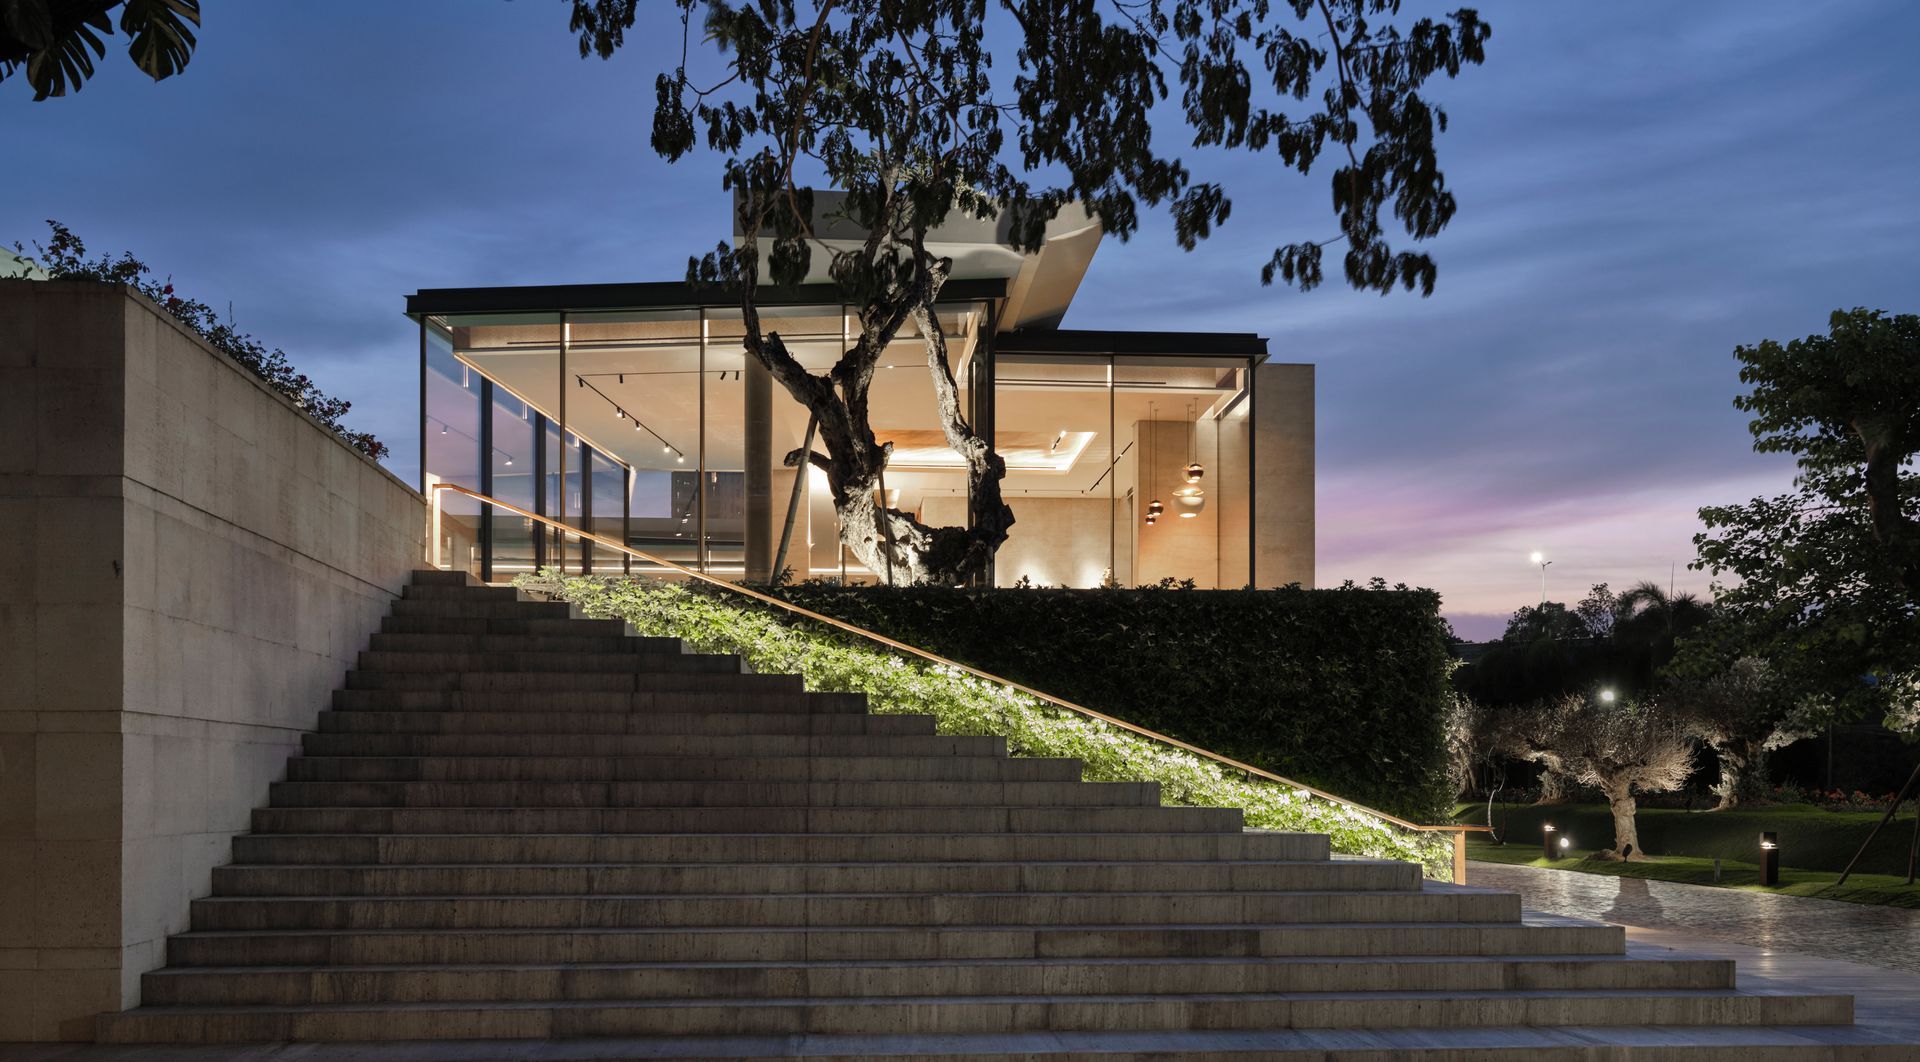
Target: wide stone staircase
x,y
519,823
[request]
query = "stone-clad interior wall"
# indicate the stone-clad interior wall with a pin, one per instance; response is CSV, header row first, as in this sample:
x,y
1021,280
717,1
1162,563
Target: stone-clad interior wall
x,y
190,566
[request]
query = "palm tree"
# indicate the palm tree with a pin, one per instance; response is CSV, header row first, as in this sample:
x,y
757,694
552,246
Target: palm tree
x,y
1650,616
57,41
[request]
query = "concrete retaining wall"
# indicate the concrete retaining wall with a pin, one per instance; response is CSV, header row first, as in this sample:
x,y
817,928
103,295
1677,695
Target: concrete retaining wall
x,y
189,566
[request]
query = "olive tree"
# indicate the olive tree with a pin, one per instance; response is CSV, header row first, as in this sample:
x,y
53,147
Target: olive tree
x,y
900,105
1622,749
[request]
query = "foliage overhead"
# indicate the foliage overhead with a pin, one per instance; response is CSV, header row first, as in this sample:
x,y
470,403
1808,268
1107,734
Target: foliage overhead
x,y
898,104
713,621
1828,575
65,258
904,90
57,41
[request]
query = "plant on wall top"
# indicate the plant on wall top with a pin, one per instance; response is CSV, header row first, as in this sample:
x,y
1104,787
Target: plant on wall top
x,y
65,258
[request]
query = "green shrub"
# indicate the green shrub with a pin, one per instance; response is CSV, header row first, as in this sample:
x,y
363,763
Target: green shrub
x,y
1344,689
772,642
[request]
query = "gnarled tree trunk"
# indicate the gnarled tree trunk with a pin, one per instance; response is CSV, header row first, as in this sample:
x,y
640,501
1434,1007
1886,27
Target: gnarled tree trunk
x,y
1743,766
1626,832
896,547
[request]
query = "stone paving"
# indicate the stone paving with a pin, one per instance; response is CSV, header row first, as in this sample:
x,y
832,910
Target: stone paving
x,y
1861,933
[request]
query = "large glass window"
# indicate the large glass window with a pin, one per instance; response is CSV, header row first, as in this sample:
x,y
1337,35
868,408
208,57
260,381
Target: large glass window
x,y
1123,470
1053,427
1182,421
634,396
451,445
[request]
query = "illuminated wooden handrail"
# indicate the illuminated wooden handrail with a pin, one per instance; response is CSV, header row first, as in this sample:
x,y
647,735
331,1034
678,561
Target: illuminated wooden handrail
x,y
437,490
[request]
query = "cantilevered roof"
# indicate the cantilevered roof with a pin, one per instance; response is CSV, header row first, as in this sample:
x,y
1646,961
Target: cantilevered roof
x,y
1039,286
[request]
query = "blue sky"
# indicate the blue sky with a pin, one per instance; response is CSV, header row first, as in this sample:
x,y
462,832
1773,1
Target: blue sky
x,y
1643,185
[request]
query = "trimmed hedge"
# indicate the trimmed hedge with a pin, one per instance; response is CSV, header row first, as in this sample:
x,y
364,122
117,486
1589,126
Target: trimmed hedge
x,y
1344,689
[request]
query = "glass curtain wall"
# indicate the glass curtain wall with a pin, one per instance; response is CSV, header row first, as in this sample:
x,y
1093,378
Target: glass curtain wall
x,y
655,428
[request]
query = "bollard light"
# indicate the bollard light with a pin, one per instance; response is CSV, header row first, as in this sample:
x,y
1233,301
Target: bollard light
x,y
1769,859
1546,841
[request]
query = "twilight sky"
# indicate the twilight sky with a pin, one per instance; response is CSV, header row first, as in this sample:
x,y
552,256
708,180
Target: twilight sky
x,y
1643,185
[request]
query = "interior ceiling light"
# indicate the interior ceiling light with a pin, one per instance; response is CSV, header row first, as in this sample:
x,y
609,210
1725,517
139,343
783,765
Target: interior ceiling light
x,y
1154,507
1191,498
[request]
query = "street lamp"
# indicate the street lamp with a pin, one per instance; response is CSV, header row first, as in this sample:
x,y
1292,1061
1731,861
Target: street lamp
x,y
1541,559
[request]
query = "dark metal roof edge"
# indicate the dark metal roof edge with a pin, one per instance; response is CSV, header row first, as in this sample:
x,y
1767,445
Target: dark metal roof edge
x,y
1091,341
662,294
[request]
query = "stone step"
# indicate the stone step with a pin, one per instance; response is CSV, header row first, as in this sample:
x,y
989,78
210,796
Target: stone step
x,y
792,943
552,626
784,769
667,794
504,608
1833,1043
892,819
641,734
442,577
413,849
531,728
964,1014
885,979
616,641
555,681
466,592
727,878
674,673
545,662
650,701
845,909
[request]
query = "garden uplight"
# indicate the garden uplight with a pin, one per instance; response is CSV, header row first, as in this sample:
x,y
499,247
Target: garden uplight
x,y
1606,696
1769,859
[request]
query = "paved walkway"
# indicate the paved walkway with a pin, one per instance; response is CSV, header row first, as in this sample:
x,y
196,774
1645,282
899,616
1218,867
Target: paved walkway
x,y
1779,943
1854,932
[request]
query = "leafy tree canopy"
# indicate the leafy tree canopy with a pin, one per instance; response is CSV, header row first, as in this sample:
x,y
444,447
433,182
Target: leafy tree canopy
x,y
58,41
1828,575
899,104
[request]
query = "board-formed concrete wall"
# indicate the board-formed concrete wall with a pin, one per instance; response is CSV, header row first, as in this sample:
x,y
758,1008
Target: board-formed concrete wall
x,y
189,566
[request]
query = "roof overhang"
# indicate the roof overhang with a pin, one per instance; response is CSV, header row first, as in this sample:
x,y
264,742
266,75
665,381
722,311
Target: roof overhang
x,y
553,298
1158,344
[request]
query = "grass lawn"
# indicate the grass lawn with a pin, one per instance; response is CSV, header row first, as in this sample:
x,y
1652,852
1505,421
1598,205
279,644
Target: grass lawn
x,y
1860,888
1814,846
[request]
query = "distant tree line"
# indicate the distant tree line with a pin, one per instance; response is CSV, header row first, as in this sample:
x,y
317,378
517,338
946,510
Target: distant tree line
x,y
1623,693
